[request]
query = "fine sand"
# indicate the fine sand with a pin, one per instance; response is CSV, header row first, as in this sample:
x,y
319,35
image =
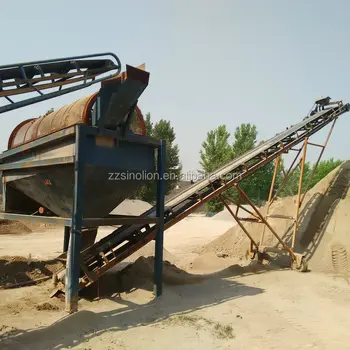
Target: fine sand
x,y
323,233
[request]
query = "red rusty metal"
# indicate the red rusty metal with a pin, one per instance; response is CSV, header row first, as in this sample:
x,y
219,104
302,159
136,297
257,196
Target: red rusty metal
x,y
79,112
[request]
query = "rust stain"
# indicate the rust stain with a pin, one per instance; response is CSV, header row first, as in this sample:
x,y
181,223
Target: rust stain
x,y
78,112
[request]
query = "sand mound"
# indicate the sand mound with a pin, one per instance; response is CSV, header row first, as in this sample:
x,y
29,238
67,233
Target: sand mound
x,y
148,251
13,227
326,234
131,207
323,234
138,275
141,273
19,227
18,269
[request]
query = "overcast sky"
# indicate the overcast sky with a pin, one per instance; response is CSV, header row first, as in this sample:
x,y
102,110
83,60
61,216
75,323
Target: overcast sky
x,y
211,62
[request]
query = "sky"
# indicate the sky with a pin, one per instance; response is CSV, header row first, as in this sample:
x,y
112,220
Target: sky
x,y
211,62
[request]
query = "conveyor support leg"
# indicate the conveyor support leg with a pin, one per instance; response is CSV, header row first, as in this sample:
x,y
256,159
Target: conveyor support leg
x,y
158,261
73,261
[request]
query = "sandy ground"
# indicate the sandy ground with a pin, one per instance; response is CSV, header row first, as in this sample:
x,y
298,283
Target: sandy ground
x,y
181,240
39,244
270,310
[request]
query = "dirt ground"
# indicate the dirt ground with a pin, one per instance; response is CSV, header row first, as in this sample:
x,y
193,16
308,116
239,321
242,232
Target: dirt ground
x,y
267,310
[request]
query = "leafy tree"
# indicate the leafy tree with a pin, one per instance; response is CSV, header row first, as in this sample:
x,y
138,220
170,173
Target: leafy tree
x,y
162,130
244,139
149,124
216,152
292,185
322,170
257,185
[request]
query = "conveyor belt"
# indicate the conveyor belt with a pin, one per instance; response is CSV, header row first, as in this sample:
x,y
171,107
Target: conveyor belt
x,y
127,239
60,76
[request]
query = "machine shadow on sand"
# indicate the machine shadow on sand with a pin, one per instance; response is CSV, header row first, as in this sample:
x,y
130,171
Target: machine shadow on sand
x,y
82,326
139,275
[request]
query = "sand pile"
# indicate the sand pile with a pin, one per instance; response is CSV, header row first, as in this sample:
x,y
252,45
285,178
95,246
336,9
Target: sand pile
x,y
148,251
326,233
141,274
13,227
323,234
131,207
18,269
137,275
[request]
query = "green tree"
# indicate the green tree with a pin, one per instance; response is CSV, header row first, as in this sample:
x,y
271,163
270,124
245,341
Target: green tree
x,y
292,185
162,130
149,124
216,152
257,185
244,139
322,170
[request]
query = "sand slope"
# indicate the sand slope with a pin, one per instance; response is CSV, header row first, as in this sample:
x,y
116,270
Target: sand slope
x,y
323,233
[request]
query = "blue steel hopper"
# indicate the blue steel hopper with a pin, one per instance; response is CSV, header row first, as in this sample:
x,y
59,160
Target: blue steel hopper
x,y
51,186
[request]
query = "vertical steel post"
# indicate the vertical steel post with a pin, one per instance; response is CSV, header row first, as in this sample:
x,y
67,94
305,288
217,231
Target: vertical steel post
x,y
73,259
319,158
270,198
66,239
158,261
287,175
298,205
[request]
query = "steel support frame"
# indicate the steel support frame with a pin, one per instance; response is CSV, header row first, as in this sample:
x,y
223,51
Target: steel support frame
x,y
300,196
74,265
257,247
72,242
262,220
127,239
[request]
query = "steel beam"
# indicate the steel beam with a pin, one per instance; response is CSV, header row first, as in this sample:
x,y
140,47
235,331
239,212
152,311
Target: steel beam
x,y
158,260
319,157
118,220
277,163
37,163
66,239
37,218
73,259
298,204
